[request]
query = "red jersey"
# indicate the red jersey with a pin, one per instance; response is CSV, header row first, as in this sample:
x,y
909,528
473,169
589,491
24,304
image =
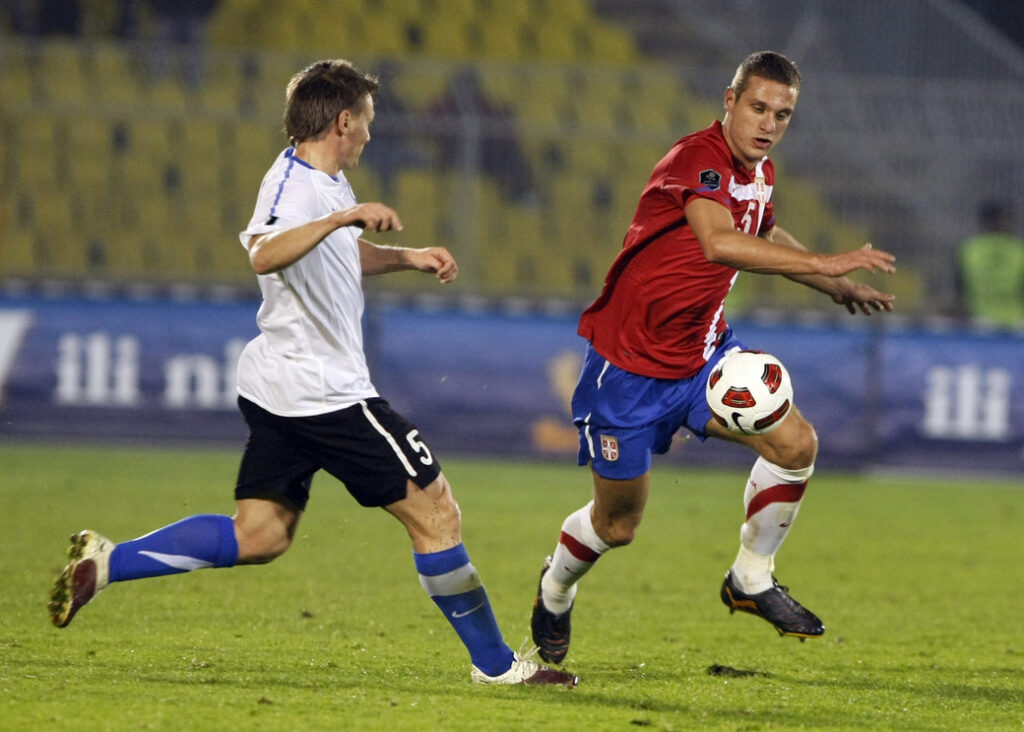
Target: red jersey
x,y
661,310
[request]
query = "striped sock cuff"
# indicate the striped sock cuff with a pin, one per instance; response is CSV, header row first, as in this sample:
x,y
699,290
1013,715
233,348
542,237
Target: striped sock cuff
x,y
448,572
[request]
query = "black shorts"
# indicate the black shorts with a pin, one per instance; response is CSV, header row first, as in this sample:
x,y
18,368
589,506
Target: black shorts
x,y
369,447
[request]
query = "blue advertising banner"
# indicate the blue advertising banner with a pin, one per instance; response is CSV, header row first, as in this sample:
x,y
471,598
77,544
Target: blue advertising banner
x,y
497,382
951,400
121,370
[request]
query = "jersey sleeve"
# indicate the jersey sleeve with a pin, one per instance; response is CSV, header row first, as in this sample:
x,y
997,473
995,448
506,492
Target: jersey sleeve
x,y
284,202
697,169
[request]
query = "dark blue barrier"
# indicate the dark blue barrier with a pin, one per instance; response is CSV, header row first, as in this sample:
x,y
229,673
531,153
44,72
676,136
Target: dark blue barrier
x,y
495,382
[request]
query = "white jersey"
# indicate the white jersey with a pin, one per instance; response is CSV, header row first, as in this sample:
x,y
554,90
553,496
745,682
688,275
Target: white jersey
x,y
308,358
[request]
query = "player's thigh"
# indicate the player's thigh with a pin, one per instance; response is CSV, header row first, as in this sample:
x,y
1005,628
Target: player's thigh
x,y
274,467
615,499
792,445
618,507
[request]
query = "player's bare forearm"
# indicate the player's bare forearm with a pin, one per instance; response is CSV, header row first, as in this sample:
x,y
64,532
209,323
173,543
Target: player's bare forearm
x,y
827,285
777,252
752,254
269,253
722,243
377,259
273,252
843,291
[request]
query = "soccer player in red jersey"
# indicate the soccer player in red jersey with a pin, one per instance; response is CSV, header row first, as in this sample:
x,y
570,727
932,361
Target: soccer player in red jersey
x,y
659,328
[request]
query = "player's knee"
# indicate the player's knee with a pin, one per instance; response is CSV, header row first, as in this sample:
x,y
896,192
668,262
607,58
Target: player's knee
x,y
616,532
260,547
449,515
261,554
619,536
445,511
800,451
440,521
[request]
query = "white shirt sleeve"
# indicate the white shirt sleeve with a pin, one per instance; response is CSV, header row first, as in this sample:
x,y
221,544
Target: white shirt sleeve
x,y
286,200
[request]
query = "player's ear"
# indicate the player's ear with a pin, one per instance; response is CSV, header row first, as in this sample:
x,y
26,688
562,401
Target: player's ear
x,y
343,120
730,98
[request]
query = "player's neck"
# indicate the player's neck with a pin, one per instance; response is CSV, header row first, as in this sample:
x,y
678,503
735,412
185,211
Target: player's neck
x,y
318,154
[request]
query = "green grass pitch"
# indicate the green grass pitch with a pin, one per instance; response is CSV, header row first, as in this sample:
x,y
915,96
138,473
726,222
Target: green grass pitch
x,y
918,581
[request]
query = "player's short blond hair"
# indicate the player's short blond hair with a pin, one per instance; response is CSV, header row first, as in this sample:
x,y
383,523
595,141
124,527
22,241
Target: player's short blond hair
x,y
768,65
319,93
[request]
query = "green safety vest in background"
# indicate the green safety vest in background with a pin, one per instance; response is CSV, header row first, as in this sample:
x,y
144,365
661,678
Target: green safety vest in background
x,y
992,268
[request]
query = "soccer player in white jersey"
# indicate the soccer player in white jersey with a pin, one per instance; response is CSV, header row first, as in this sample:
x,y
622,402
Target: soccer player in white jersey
x,y
306,394
659,328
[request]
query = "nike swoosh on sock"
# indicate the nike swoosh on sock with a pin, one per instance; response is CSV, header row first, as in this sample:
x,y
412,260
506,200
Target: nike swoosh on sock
x,y
178,561
456,614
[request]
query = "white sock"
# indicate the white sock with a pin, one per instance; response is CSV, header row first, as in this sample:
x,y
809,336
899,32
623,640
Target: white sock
x,y
753,572
579,547
772,501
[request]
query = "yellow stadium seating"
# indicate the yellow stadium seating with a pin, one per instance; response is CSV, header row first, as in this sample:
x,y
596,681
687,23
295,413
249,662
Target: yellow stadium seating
x,y
17,88
152,179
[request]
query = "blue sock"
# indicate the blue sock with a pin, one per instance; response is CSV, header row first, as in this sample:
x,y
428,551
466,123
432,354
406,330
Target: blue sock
x,y
195,542
454,586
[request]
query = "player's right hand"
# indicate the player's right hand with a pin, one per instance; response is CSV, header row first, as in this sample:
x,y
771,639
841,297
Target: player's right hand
x,y
867,257
371,217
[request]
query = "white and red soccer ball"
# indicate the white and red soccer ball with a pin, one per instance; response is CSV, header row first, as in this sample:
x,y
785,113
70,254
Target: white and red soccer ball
x,y
750,392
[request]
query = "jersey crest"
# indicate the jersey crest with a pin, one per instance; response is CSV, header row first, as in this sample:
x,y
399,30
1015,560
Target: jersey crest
x,y
710,180
610,448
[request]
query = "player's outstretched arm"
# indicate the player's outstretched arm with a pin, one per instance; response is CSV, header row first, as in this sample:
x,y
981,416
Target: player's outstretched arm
x,y
852,295
379,259
269,253
867,257
712,224
856,296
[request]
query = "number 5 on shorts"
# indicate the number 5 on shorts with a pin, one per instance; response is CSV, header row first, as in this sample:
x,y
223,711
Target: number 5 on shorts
x,y
419,446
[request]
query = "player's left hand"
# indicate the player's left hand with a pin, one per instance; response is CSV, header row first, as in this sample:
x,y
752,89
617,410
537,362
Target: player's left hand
x,y
856,296
437,260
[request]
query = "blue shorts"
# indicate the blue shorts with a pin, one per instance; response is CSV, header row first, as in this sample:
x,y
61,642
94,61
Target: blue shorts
x,y
624,418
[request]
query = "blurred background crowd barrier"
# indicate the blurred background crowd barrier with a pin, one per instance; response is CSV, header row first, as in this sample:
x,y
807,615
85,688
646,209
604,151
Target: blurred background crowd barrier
x,y
517,132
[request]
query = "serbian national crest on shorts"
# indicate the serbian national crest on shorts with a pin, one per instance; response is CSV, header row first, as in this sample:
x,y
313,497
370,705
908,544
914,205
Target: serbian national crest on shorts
x,y
610,448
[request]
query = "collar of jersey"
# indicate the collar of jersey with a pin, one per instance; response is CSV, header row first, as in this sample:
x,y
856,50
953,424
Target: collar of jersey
x,y
290,153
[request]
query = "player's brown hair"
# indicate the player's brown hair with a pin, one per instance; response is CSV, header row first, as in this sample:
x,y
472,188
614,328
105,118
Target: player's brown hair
x,y
319,93
768,65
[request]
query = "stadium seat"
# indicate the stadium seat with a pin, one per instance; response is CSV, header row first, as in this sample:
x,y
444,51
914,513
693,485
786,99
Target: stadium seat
x,y
61,65
366,184
611,46
226,90
17,255
114,75
257,146
200,151
36,133
126,256
419,199
61,239
17,87
597,104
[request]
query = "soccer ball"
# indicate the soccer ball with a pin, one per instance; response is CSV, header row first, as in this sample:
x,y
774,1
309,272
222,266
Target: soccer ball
x,y
750,392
